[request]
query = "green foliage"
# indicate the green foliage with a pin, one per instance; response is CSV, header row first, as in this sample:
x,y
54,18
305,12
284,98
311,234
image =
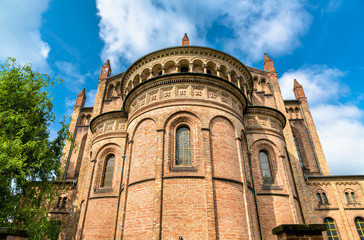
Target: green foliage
x,y
29,160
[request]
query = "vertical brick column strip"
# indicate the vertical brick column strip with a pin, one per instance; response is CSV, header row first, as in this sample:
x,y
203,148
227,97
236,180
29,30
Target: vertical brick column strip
x,y
211,218
158,193
243,179
124,196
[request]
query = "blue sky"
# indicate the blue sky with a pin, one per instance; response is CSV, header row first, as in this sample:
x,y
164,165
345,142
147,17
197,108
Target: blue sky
x,y
320,43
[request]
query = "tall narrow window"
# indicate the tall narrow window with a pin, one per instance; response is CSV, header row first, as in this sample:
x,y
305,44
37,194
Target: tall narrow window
x,y
64,201
353,197
331,229
298,150
324,197
359,223
183,146
59,202
348,197
109,171
319,199
266,171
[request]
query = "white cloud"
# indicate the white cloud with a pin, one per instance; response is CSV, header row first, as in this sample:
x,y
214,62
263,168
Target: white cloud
x,y
320,83
90,98
71,76
20,22
131,29
340,126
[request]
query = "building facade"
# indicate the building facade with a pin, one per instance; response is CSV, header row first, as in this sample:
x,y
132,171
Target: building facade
x,y
189,143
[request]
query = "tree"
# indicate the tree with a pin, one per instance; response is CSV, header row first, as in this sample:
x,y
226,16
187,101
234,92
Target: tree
x,y
29,160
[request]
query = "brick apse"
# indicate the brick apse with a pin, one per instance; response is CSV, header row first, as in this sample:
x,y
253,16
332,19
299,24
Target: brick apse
x,y
189,143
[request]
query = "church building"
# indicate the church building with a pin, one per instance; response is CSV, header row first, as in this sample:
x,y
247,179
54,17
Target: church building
x,y
190,143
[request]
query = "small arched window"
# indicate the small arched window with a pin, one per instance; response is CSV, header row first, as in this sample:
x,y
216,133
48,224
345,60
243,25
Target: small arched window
x,y
331,229
64,201
359,223
183,146
265,165
348,199
59,202
184,69
108,171
319,199
324,198
353,197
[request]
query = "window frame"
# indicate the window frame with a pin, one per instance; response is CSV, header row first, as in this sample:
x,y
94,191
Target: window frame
x,y
266,152
330,230
180,126
104,168
361,227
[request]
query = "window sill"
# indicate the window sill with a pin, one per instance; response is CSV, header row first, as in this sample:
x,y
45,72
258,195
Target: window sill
x,y
103,190
271,187
184,169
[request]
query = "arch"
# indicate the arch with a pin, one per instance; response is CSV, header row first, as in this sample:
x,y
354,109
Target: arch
x,y
234,78
273,154
136,80
64,202
171,126
118,88
170,67
223,72
184,65
331,229
359,223
88,118
82,120
325,199
108,171
157,70
224,151
183,145
137,126
350,196
197,66
266,167
145,75
110,91
211,68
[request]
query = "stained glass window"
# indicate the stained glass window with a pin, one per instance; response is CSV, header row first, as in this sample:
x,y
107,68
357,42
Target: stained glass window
x,y
359,222
331,229
183,146
109,171
266,171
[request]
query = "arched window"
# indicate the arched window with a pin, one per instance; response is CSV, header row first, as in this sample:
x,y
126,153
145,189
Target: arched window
x,y
266,170
324,198
184,69
108,171
359,223
59,202
319,199
353,197
183,146
331,230
298,150
64,201
348,198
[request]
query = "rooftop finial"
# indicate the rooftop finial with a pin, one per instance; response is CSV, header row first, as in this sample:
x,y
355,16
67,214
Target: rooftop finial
x,y
185,40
